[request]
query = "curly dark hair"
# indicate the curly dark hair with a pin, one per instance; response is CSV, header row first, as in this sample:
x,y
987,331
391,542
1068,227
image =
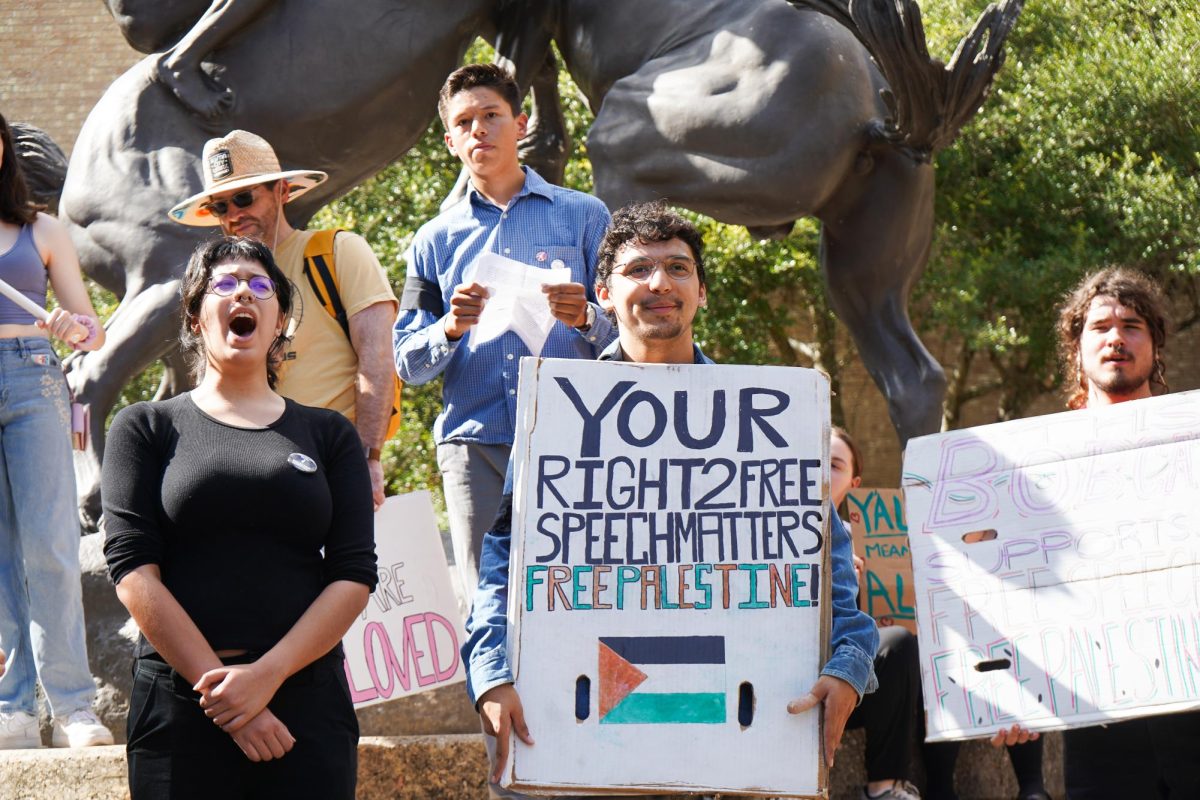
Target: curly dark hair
x,y
16,205
195,285
473,76
645,223
1130,288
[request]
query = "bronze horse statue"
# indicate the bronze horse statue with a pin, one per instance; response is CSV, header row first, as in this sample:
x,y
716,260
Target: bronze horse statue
x,y
757,112
753,111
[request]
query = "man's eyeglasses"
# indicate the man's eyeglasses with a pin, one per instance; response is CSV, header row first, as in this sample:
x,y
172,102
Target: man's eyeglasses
x,y
219,208
226,284
678,268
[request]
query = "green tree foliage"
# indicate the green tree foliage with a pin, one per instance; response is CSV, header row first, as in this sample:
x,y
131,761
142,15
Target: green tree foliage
x,y
1086,155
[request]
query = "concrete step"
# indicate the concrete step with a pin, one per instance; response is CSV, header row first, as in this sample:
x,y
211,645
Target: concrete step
x,y
452,767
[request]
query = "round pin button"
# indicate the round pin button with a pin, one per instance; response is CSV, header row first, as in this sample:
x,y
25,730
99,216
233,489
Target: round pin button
x,y
302,462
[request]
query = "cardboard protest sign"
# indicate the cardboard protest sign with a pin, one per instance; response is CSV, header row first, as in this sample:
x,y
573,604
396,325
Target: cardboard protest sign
x,y
407,639
880,533
668,576
1057,565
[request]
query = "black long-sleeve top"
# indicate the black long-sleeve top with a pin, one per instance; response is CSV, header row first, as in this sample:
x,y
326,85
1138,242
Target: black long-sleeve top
x,y
232,518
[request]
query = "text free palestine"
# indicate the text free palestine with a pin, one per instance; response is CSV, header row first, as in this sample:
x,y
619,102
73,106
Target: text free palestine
x,y
684,586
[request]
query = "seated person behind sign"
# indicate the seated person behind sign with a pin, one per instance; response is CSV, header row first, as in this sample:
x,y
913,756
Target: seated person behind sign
x,y
240,536
892,715
654,303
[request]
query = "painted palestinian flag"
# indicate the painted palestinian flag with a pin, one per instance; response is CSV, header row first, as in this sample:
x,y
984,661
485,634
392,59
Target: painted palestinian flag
x,y
662,679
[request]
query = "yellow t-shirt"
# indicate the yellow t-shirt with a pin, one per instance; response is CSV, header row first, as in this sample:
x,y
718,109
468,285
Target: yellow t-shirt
x,y
320,367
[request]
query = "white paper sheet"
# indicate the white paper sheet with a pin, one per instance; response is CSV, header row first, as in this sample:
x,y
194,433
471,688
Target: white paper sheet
x,y
515,300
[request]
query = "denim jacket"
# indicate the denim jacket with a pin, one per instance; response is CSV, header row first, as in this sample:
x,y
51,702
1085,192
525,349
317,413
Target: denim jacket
x,y
485,652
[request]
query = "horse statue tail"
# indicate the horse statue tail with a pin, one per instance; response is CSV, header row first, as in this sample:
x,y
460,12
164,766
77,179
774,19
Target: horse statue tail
x,y
43,164
929,102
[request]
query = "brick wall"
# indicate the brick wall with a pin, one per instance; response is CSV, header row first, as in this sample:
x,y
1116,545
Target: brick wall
x,y
56,59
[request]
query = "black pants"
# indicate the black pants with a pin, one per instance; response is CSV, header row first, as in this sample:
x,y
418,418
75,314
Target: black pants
x,y
941,757
1152,757
177,753
890,714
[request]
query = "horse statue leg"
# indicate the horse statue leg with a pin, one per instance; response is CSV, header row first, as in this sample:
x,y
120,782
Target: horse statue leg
x,y
176,377
547,144
180,70
875,240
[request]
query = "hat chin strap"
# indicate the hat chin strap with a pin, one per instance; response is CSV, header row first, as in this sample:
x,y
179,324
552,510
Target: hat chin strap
x,y
278,215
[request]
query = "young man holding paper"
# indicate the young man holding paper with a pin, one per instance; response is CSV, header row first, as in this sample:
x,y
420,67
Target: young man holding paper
x,y
508,211
650,278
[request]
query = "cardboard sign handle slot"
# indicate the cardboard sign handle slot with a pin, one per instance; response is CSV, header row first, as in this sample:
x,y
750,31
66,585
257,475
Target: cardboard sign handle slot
x,y
745,704
583,697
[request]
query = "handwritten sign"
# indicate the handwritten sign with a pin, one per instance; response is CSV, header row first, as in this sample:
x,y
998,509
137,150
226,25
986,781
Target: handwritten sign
x,y
880,534
668,581
1057,566
407,639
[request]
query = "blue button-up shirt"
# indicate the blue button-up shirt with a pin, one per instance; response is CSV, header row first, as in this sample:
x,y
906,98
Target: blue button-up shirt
x,y
542,224
485,652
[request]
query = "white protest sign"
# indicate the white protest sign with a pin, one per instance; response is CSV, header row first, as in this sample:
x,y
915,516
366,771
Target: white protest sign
x,y
668,579
407,639
1056,565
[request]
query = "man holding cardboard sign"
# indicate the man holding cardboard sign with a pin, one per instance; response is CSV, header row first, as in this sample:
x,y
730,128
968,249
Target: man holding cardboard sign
x,y
1112,330
1056,560
651,280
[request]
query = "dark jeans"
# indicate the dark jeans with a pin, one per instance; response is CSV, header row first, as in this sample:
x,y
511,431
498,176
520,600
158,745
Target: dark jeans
x,y
891,712
176,752
1152,757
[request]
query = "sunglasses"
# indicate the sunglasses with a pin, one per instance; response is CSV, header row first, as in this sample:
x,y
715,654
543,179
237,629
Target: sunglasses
x,y
260,286
219,208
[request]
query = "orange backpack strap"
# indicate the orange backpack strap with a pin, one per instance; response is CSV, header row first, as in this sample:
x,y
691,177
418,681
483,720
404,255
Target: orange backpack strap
x,y
321,272
320,269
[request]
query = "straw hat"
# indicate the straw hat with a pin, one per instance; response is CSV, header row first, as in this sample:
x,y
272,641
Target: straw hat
x,y
234,161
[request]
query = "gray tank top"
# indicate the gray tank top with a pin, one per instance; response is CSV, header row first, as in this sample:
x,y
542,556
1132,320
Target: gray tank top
x,y
22,268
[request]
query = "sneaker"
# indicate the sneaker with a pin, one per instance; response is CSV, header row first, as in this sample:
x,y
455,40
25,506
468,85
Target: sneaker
x,y
901,790
19,731
82,729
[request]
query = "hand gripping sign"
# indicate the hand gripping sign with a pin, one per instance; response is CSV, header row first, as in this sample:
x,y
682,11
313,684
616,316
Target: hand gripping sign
x,y
668,583
1057,567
